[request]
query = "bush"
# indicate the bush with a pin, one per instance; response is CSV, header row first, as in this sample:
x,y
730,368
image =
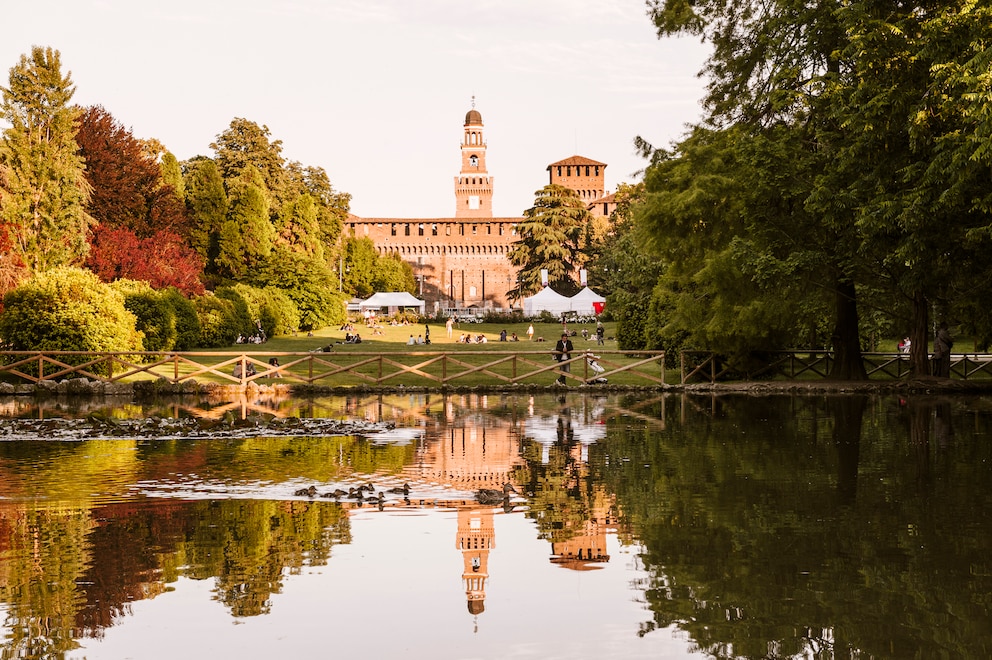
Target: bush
x,y
220,321
156,318
272,307
242,315
187,320
68,309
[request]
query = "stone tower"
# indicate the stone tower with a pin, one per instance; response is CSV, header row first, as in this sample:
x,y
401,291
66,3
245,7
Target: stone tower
x,y
473,185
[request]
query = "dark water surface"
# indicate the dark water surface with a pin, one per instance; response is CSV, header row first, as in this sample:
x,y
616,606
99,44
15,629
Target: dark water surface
x,y
644,526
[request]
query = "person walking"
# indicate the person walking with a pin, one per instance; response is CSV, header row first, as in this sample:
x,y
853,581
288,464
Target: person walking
x,y
942,345
449,324
530,332
600,333
563,353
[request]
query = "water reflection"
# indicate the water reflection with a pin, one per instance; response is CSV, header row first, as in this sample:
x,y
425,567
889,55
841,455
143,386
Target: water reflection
x,y
730,526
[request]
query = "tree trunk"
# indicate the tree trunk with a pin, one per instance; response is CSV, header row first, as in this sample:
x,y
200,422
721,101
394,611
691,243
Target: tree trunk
x,y
919,335
846,337
848,413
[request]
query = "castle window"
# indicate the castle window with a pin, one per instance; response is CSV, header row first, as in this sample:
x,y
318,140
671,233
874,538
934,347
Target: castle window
x,y
489,229
568,170
587,170
473,230
461,230
597,170
559,170
447,229
473,161
434,230
420,229
392,229
406,229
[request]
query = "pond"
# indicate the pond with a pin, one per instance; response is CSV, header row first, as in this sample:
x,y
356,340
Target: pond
x,y
640,526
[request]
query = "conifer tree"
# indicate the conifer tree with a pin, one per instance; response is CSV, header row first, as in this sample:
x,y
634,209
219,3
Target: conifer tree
x,y
43,192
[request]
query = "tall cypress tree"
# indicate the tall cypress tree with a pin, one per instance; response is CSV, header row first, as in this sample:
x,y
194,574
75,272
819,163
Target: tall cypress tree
x,y
43,193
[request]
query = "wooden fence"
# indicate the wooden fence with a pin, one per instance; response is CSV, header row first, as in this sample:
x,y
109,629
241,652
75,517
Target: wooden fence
x,y
705,366
344,368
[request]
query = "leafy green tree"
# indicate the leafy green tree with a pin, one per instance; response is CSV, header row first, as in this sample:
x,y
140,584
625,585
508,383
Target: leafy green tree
x,y
360,259
172,175
310,286
43,190
245,145
549,240
393,274
246,236
207,202
68,309
332,206
187,322
298,228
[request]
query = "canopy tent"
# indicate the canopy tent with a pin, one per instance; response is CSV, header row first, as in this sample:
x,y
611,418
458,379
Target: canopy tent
x,y
585,302
546,300
392,301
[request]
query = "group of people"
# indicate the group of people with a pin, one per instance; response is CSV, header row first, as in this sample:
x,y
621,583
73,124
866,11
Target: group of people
x,y
472,339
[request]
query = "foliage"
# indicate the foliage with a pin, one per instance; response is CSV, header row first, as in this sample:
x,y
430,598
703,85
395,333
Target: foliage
x,y
272,307
220,321
549,239
393,274
128,190
243,319
244,146
187,321
247,235
43,190
162,259
308,284
155,317
67,309
206,201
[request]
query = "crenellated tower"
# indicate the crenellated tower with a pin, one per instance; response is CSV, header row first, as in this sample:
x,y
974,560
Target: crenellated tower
x,y
473,185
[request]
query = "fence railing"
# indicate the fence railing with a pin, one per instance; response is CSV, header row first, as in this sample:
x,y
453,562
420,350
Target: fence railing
x,y
706,366
344,368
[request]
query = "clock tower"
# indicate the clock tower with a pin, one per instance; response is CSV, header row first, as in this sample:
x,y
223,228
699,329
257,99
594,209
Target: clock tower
x,y
473,185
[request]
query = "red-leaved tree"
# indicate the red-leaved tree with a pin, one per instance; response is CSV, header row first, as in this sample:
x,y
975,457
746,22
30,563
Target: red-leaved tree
x,y
126,180
162,259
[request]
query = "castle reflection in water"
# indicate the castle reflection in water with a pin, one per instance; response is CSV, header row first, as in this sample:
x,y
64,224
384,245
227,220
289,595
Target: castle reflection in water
x,y
477,441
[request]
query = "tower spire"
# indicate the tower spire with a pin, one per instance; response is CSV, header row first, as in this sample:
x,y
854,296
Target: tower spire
x,y
473,185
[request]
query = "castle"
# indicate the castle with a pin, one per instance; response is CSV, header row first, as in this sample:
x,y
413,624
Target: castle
x,y
461,262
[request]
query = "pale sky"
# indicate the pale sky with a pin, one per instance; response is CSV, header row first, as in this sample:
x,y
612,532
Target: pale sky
x,y
376,91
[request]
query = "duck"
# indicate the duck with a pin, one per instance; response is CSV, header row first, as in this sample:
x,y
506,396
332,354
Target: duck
x,y
404,490
306,492
367,487
337,493
493,496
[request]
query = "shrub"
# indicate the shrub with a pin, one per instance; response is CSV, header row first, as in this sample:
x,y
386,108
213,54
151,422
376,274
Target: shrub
x,y
272,307
67,309
220,322
242,316
155,316
187,320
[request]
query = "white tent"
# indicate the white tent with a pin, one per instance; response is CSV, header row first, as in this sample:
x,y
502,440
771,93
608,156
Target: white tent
x,y
392,301
582,302
546,300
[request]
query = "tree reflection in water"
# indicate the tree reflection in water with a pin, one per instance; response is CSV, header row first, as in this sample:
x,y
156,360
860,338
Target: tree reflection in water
x,y
825,526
